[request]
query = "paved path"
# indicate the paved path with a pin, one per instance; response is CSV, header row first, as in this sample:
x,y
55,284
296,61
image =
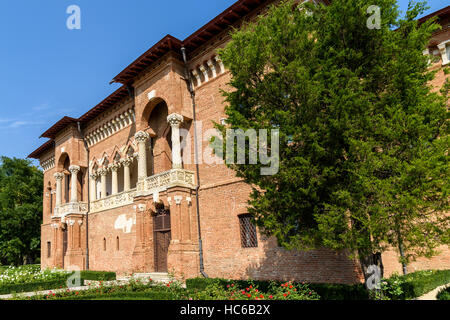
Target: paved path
x,y
88,285
46,292
432,294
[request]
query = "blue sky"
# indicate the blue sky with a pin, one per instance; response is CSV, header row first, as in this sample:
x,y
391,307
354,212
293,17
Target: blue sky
x,y
48,71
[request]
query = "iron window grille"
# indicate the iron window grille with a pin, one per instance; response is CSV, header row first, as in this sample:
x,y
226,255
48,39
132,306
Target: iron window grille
x,y
249,238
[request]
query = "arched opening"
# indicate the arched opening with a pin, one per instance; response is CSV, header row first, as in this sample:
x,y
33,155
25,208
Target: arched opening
x,y
120,173
133,167
64,161
104,244
108,178
50,198
117,244
160,157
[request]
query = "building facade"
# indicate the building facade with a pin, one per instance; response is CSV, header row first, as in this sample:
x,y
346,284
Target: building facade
x,y
122,192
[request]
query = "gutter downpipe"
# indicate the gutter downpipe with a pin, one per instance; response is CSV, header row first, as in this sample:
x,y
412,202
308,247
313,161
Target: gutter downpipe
x,y
88,194
188,80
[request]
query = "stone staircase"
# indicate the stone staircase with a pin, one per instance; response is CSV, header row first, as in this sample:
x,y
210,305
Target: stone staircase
x,y
156,277
159,277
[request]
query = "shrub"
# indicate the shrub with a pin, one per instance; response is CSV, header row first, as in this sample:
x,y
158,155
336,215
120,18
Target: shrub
x,y
415,284
324,290
444,294
221,289
31,278
98,275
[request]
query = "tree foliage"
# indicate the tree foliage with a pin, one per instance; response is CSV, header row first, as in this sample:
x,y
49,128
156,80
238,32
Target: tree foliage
x,y
364,137
20,211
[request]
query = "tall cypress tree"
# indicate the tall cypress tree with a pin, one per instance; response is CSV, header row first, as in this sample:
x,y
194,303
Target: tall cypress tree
x,y
364,139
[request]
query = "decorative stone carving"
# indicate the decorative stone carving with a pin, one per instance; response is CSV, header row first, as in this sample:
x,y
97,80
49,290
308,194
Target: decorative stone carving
x,y
114,201
74,169
178,200
175,119
141,136
70,208
58,176
112,126
443,50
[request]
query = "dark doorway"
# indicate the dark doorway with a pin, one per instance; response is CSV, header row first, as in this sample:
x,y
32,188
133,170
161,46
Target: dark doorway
x,y
64,234
162,238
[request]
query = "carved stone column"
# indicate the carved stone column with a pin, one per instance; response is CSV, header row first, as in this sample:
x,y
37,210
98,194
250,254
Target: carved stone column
x,y
175,121
102,172
59,177
74,183
115,179
126,172
94,177
142,137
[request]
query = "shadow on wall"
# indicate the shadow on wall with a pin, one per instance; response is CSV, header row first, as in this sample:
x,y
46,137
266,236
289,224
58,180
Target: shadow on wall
x,y
317,266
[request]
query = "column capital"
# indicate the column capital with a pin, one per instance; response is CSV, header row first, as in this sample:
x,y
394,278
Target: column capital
x,y
141,136
114,167
175,119
126,162
94,176
74,169
102,172
58,175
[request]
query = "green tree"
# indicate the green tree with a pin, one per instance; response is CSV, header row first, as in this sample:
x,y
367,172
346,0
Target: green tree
x,y
20,211
363,138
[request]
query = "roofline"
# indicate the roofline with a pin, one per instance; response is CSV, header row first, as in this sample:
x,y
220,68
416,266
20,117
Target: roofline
x,y
230,15
439,13
46,146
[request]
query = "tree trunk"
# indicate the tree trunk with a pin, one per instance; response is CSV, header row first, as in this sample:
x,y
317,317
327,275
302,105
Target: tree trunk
x,y
373,271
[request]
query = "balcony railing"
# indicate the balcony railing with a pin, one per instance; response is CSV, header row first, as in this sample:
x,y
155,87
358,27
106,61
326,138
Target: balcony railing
x,y
165,180
114,201
148,186
70,208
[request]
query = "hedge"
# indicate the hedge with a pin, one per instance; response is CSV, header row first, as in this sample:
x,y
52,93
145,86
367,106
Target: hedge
x,y
326,291
418,283
56,284
444,294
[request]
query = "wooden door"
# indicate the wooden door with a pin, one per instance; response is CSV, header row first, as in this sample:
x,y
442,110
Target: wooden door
x,y
64,245
162,236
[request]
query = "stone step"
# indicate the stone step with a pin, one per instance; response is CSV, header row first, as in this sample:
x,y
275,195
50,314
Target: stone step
x,y
155,276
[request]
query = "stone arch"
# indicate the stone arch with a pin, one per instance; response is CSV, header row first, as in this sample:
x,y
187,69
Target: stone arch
x,y
149,108
161,142
94,164
63,166
116,155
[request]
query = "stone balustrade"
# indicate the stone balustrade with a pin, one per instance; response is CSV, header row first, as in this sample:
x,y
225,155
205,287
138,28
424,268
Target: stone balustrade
x,y
165,180
115,201
70,208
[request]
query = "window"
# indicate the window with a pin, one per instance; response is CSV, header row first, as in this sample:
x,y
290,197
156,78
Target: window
x,y
248,231
104,244
49,249
117,244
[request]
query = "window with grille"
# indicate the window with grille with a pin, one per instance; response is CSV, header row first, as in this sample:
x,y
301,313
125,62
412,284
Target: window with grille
x,y
248,231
